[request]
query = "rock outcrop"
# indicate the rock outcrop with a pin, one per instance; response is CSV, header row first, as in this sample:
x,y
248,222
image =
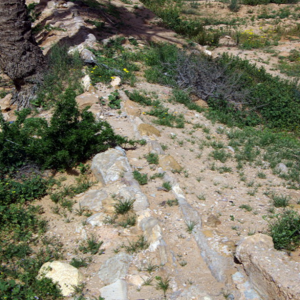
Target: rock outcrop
x,y
271,272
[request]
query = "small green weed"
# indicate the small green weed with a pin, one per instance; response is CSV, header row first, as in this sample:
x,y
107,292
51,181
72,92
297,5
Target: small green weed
x,y
261,175
142,179
157,175
190,226
162,284
79,262
246,207
140,244
152,158
220,155
91,246
114,100
123,206
167,185
173,202
151,267
129,221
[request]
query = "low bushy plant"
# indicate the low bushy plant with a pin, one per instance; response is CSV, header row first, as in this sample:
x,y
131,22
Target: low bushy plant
x,y
71,137
285,230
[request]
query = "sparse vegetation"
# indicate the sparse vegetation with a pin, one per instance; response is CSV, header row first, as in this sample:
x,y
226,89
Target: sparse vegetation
x,y
135,246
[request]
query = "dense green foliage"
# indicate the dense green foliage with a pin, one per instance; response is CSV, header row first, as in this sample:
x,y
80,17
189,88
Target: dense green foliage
x,y
28,146
71,136
245,95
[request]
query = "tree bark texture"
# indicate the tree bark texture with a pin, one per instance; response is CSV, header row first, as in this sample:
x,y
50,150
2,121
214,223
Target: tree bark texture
x,y
20,56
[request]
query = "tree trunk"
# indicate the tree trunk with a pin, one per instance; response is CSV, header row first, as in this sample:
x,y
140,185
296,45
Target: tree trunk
x,y
20,56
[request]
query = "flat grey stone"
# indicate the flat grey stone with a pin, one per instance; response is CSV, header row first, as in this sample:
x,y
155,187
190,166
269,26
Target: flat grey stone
x,y
92,200
115,291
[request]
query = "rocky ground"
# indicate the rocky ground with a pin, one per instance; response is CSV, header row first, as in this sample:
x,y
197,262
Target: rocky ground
x,y
190,215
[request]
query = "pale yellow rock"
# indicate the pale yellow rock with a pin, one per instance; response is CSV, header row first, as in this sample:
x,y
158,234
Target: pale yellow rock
x,y
86,99
168,163
201,103
5,103
132,108
65,275
147,129
116,81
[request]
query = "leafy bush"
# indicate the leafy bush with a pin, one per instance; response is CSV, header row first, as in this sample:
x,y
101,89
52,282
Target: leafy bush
x,y
285,230
12,191
72,136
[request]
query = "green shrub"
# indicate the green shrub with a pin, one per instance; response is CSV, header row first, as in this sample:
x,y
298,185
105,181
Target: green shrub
x,y
72,136
91,246
280,200
114,100
21,191
167,185
285,230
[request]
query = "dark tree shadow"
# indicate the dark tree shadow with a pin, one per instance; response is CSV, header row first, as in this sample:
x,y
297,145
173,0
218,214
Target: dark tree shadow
x,y
132,22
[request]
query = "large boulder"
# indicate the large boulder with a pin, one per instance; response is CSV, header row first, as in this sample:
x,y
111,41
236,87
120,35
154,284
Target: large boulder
x,y
66,276
115,268
110,165
271,272
86,99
